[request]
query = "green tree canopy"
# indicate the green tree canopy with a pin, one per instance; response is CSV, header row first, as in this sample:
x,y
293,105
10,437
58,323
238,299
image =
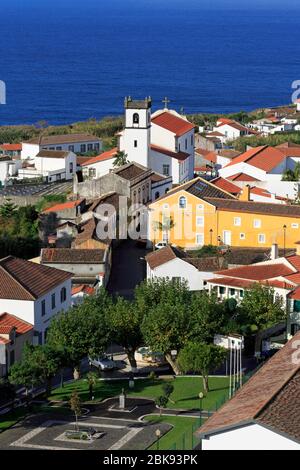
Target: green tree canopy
x,y
201,358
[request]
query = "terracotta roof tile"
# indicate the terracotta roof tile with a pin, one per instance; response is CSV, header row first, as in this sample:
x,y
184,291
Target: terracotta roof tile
x,y
271,396
23,280
71,256
63,206
175,124
226,185
265,158
258,272
241,177
9,321
101,158
181,156
255,207
64,139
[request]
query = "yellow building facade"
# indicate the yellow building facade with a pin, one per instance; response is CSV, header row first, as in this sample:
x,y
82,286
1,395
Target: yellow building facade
x,y
190,221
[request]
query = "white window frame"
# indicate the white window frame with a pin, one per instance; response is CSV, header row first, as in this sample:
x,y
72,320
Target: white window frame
x,y
237,221
294,225
242,236
182,208
261,235
202,237
166,207
200,218
257,223
200,207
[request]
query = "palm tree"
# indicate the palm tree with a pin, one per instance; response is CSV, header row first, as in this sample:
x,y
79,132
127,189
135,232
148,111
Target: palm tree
x,y
120,159
164,226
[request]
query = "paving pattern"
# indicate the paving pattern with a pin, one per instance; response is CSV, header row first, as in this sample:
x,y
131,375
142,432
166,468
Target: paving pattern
x,y
121,430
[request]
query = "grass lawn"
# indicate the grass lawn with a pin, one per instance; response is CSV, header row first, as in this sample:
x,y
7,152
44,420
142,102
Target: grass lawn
x,y
180,437
185,395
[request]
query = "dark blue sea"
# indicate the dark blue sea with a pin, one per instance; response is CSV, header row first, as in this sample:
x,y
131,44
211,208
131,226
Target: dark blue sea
x,y
65,62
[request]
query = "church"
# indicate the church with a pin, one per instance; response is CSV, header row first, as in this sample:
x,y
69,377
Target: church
x,y
162,141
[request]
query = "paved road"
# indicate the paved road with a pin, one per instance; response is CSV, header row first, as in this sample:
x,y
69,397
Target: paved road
x,y
128,268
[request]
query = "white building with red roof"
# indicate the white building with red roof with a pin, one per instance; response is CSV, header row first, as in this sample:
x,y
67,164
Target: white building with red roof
x,y
232,130
280,273
14,333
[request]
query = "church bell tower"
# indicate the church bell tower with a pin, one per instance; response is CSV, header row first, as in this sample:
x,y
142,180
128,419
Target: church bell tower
x,y
137,133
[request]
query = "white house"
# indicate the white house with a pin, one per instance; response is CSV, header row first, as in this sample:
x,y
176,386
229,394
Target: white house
x,y
51,165
263,414
8,168
172,263
231,129
33,293
76,143
95,167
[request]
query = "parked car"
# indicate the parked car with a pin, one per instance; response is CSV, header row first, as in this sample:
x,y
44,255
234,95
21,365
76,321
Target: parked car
x,y
102,363
160,245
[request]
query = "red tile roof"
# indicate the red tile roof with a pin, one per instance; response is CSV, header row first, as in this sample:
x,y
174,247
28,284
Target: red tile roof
x,y
172,123
23,280
258,272
241,177
8,321
181,156
11,147
226,185
83,288
63,206
256,399
231,282
265,158
102,157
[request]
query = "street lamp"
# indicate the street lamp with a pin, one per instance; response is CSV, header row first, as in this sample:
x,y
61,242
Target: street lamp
x,y
201,395
284,239
158,434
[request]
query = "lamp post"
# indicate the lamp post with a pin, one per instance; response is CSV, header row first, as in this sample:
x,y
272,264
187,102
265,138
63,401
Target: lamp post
x,y
284,239
201,395
158,434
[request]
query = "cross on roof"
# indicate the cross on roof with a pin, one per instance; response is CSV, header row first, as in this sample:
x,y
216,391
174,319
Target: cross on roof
x,y
166,101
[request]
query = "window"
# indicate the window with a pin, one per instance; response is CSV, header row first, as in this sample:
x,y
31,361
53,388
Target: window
x,y
156,195
166,170
176,279
182,202
257,223
166,206
232,291
71,167
97,146
53,301
242,236
82,148
167,189
165,237
90,147
199,239
71,148
92,172
295,225
135,144
241,294
261,238
237,221
200,221
222,290
63,295
192,139
136,118
58,148
200,207
43,306
185,144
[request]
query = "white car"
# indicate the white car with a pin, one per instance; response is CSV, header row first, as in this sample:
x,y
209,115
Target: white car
x,y
160,245
102,363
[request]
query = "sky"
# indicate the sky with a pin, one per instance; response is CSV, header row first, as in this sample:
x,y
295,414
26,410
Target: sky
x,y
197,4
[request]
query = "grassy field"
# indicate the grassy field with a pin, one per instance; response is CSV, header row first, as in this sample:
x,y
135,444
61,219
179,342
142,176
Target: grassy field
x,y
185,395
180,437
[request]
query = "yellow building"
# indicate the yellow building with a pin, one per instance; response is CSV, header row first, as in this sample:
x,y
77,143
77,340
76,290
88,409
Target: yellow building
x,y
198,213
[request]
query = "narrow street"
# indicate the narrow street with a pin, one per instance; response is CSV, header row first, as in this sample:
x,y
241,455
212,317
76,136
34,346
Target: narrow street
x,y
128,268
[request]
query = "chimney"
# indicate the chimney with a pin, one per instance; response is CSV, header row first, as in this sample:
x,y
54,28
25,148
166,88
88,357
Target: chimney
x,y
274,251
245,194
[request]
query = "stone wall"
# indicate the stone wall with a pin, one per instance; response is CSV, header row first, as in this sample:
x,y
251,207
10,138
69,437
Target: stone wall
x,y
98,187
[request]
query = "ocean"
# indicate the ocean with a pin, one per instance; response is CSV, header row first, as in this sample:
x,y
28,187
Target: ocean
x,y
70,64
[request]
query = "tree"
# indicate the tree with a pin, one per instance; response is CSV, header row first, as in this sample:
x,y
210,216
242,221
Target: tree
x,y
201,358
92,379
7,209
82,331
164,226
44,359
75,405
120,159
168,389
24,372
124,319
7,391
260,308
161,402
